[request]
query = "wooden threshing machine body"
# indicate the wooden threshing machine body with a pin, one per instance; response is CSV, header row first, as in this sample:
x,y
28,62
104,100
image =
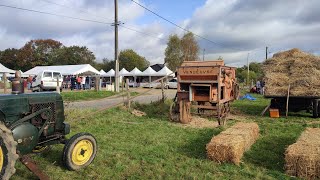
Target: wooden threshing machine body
x,y
208,85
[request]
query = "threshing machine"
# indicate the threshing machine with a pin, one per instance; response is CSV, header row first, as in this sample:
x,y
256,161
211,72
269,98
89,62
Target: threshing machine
x,y
204,85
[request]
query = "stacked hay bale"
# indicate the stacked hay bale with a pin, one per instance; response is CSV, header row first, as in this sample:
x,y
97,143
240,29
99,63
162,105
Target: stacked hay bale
x,y
295,67
230,144
303,157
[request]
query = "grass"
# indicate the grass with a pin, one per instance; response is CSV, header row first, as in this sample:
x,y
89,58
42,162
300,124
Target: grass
x,y
150,147
72,96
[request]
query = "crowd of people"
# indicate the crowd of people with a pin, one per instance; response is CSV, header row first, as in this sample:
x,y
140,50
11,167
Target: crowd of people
x,y
77,82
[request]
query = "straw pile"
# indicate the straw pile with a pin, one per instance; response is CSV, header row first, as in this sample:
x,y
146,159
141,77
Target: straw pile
x,y
230,145
303,157
295,67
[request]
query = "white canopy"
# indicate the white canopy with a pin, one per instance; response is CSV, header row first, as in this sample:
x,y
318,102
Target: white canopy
x,y
4,69
165,72
102,72
135,72
110,73
124,72
149,72
84,69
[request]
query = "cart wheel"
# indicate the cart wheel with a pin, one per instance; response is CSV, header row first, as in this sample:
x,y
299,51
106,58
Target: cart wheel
x,y
79,151
315,108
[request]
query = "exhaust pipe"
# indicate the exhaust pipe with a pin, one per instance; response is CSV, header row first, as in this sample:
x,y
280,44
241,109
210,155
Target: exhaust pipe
x,y
17,84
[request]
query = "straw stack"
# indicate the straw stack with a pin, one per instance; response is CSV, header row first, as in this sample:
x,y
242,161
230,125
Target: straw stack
x,y
230,145
303,157
295,67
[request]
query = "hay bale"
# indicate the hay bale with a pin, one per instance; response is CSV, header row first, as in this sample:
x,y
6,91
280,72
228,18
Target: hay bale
x,y
295,67
303,157
230,144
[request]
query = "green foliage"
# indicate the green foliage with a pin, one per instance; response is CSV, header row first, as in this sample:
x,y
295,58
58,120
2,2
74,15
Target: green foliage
x,y
129,59
151,147
255,73
105,65
9,58
179,50
37,52
85,95
45,52
72,55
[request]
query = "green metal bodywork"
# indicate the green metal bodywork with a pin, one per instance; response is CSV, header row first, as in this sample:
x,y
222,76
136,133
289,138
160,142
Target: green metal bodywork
x,y
17,112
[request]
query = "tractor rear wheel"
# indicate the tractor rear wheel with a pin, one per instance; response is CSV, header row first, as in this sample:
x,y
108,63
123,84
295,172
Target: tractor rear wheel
x,y
8,154
79,151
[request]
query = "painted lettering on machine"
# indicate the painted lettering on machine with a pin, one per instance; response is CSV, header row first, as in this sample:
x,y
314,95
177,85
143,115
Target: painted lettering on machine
x,y
197,71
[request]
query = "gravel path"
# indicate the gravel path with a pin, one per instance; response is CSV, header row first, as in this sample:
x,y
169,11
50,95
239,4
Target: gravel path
x,y
153,95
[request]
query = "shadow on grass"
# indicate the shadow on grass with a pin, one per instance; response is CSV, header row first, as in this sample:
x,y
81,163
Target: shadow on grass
x,y
157,109
196,147
269,152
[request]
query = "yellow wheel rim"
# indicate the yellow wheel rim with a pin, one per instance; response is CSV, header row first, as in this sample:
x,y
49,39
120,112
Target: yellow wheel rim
x,y
82,152
1,158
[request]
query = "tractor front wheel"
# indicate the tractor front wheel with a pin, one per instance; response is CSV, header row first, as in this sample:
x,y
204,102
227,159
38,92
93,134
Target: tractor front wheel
x,y
8,155
79,151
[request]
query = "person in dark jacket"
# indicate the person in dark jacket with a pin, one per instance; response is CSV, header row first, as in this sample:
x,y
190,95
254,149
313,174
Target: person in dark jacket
x,y
73,82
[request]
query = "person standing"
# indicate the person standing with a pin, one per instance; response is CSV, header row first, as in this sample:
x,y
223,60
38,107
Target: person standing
x,y
83,82
258,85
73,82
29,82
78,82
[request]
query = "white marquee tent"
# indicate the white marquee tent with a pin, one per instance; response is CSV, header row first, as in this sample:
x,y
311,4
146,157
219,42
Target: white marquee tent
x,y
165,72
124,72
83,69
102,72
135,72
4,69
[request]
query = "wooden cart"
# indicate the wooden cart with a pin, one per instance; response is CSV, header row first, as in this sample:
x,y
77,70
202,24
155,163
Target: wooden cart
x,y
206,86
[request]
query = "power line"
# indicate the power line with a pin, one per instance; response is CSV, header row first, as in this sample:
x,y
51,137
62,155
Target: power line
x,y
184,29
88,12
77,9
53,14
143,33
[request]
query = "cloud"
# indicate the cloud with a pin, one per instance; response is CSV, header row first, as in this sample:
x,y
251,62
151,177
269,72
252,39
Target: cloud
x,y
243,26
237,27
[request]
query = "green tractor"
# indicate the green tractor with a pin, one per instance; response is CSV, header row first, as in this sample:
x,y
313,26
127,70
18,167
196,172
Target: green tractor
x,y
31,123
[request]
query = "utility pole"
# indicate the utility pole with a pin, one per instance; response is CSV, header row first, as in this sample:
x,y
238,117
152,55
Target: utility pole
x,y
248,69
266,52
116,23
203,54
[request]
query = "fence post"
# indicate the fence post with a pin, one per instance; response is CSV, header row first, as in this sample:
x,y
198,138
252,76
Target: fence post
x,y
58,85
162,90
128,94
5,83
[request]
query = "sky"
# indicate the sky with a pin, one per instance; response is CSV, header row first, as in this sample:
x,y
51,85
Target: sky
x,y
235,30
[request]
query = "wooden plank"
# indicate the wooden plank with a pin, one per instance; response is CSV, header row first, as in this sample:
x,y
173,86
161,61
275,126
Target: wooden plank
x,y
205,107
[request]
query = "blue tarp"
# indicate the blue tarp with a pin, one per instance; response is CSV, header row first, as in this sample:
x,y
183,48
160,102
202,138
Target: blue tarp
x,y
248,96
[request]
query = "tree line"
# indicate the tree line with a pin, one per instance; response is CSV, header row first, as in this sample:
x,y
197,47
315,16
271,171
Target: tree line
x,y
47,52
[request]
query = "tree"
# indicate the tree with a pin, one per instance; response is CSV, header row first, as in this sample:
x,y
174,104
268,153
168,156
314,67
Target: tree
x,y
129,59
9,58
106,64
36,52
189,47
72,55
173,53
179,50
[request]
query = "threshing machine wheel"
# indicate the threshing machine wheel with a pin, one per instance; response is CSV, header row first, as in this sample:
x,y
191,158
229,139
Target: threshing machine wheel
x,y
8,154
174,112
79,151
